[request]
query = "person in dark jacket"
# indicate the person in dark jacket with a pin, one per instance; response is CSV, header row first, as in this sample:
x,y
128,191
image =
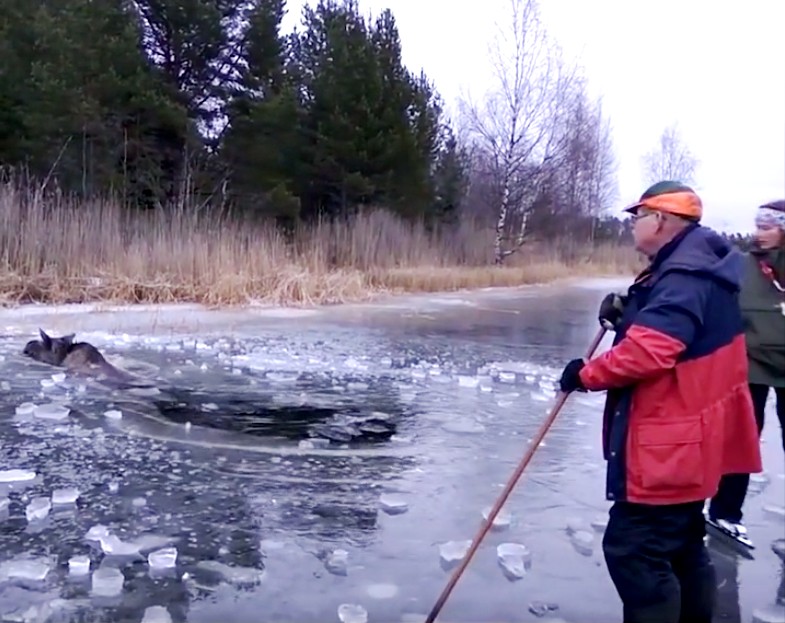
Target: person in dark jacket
x,y
678,413
762,303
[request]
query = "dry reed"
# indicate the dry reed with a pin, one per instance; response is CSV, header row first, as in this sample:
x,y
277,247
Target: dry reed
x,y
61,251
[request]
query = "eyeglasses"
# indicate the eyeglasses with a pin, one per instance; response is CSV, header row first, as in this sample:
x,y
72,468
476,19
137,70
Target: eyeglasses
x,y
638,216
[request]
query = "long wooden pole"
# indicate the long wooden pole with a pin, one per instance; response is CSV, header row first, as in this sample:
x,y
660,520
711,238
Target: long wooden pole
x,y
546,425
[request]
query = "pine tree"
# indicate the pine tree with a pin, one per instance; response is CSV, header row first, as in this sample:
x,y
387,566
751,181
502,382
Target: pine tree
x,y
83,103
261,145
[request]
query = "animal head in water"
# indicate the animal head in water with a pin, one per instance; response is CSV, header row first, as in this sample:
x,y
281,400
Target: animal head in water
x,y
51,350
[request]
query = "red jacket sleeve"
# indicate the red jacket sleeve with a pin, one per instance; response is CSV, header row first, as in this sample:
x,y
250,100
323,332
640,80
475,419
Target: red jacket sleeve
x,y
641,353
660,333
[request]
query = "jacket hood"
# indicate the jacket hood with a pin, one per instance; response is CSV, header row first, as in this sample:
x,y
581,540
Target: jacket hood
x,y
699,249
773,257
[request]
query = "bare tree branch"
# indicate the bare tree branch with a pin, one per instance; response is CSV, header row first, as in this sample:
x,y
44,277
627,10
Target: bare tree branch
x,y
671,160
513,127
541,150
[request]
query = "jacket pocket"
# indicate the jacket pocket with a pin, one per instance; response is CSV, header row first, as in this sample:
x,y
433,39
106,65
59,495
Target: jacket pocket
x,y
670,454
765,328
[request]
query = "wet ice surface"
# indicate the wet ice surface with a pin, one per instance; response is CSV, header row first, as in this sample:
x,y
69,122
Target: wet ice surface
x,y
328,467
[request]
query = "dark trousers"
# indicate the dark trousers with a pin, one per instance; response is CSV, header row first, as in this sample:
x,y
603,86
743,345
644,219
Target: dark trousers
x,y
659,563
727,502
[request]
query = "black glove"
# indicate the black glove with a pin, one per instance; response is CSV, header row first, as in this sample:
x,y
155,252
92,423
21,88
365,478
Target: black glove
x,y
570,378
611,310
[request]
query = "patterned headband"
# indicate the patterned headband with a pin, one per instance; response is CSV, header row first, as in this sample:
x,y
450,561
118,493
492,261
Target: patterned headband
x,y
769,216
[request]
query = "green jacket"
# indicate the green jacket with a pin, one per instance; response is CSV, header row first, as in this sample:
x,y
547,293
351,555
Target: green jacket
x,y
764,317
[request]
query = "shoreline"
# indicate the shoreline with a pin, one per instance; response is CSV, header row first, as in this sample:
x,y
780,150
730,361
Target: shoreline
x,y
104,319
35,308
322,290
98,256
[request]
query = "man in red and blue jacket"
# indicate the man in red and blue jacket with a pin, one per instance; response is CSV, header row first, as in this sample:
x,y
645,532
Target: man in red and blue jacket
x,y
678,413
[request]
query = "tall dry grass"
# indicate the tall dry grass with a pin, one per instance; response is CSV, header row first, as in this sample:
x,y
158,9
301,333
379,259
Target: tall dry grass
x,y
57,250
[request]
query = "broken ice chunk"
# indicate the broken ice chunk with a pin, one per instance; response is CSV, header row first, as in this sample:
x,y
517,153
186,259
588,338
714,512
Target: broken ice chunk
x,y
239,576
758,483
381,591
773,613
513,558
26,408
599,524
67,495
107,581
507,377
761,478
156,614
778,547
393,504
111,544
452,552
352,613
546,383
151,542
466,426
540,609
96,533
574,524
51,411
16,475
4,504
283,377
31,569
269,545
58,378
583,542
38,509
468,381
337,562
79,565
162,558
113,414
501,521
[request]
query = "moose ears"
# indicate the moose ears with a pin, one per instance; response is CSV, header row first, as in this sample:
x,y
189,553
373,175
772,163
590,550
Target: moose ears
x,y
47,340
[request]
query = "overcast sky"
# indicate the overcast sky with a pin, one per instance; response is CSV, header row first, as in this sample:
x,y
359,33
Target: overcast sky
x,y
715,68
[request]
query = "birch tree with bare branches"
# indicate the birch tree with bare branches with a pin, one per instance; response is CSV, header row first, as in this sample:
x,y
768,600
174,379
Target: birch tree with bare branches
x,y
605,188
586,166
513,129
670,160
578,183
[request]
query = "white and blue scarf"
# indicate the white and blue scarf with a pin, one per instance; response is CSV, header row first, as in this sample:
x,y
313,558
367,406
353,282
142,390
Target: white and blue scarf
x,y
766,217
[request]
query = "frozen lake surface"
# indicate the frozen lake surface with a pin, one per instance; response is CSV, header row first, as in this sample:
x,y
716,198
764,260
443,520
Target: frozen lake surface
x,y
323,465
